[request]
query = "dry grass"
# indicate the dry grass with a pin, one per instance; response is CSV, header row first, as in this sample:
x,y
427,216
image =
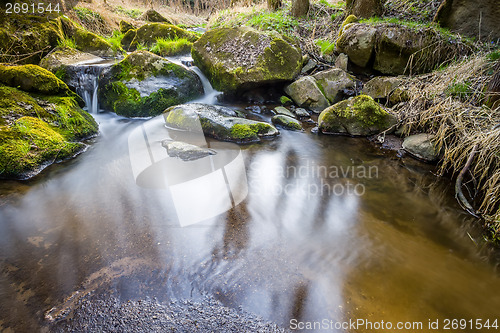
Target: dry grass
x,y
448,103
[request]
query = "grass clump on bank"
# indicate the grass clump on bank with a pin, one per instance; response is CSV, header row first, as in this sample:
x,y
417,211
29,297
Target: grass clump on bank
x,y
170,47
115,42
133,13
450,103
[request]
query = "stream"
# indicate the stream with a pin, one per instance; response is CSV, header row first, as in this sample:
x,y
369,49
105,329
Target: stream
x,y
331,228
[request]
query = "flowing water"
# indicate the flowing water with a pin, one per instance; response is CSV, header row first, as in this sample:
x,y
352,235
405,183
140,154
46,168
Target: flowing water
x,y
332,228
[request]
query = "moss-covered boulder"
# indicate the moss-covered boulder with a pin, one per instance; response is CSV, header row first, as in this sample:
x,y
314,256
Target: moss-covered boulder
x,y
85,41
149,33
398,49
152,15
144,84
286,122
27,38
37,130
237,59
125,26
64,61
357,116
32,78
218,122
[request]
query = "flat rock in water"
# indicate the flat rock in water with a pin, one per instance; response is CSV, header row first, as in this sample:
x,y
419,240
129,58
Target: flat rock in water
x,y
301,113
422,146
186,151
284,111
286,122
218,122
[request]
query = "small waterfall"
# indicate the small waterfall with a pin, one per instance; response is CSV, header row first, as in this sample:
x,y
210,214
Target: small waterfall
x,y
85,80
210,94
87,84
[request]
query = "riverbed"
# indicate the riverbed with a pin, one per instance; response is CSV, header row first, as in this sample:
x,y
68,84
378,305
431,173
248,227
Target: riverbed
x,y
332,228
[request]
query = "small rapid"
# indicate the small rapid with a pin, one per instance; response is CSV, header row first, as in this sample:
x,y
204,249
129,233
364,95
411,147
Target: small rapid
x,y
85,80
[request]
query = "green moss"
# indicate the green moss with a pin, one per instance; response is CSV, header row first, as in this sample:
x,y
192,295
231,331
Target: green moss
x,y
349,19
32,78
67,43
148,34
169,47
285,100
89,42
243,132
127,39
30,143
176,117
361,113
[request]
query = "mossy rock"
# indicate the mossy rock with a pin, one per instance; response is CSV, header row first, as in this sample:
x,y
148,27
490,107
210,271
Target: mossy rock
x,y
33,78
149,33
218,122
85,41
127,39
238,59
37,130
125,26
286,122
144,84
357,116
152,15
396,49
27,38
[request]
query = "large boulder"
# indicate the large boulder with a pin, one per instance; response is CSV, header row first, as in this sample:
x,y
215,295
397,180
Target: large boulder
x,y
32,78
319,91
237,59
478,19
41,121
357,116
357,41
149,33
218,122
397,49
422,146
144,84
26,38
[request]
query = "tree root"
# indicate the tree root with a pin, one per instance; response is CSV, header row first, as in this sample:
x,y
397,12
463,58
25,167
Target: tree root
x,y
458,184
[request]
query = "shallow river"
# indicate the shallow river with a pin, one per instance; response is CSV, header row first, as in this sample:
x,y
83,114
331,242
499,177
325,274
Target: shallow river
x,y
356,234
